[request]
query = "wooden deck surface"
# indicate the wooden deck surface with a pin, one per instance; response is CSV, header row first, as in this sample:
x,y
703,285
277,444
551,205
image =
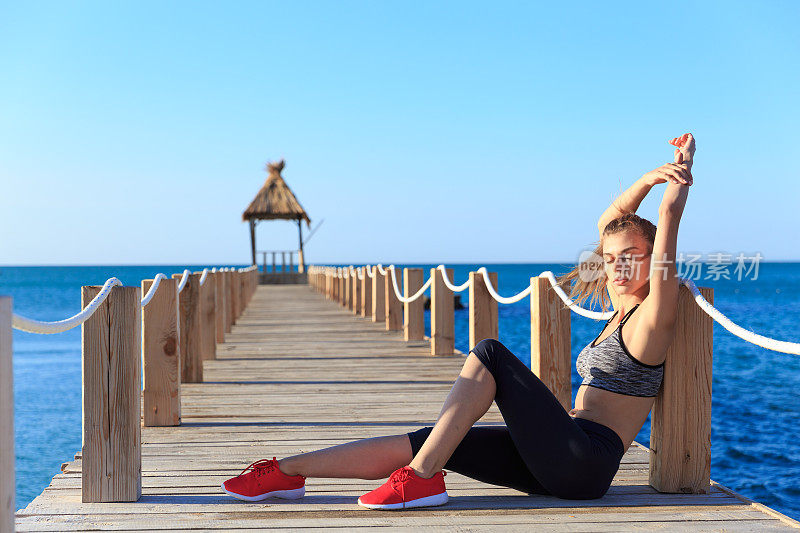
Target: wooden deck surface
x,y
298,373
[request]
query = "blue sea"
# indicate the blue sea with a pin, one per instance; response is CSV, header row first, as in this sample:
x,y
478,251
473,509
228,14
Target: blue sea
x,y
755,409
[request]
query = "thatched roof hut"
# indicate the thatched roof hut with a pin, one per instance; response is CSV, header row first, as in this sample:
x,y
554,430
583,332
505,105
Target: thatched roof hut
x,y
275,200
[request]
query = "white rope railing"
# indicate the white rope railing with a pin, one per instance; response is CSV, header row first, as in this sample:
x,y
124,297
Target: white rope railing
x,y
744,334
449,285
184,280
410,298
153,288
37,326
31,325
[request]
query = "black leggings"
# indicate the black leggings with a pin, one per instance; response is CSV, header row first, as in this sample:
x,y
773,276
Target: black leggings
x,y
541,449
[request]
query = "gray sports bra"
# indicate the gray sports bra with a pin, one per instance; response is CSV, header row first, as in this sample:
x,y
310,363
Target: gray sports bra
x,y
608,365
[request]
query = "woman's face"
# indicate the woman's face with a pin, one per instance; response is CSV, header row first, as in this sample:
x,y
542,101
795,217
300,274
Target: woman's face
x,y
626,259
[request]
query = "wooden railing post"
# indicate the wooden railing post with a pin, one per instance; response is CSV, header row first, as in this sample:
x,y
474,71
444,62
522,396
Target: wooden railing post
x,y
482,309
394,308
550,340
680,430
226,278
161,355
234,294
111,341
347,289
190,330
378,296
366,293
7,483
220,306
442,314
208,317
357,288
413,312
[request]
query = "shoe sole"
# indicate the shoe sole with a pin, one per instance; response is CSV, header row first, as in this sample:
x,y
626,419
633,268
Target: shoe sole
x,y
436,499
290,494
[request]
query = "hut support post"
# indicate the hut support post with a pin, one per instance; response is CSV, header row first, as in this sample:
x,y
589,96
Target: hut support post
x,y
442,314
301,265
550,340
680,434
482,309
7,486
111,341
253,239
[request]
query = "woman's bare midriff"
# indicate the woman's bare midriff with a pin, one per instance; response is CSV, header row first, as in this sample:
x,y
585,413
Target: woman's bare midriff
x,y
622,413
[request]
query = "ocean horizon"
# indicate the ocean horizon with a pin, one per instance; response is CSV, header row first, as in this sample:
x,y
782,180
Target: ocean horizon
x,y
754,390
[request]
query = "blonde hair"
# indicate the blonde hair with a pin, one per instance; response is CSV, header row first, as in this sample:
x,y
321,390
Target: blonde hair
x,y
578,289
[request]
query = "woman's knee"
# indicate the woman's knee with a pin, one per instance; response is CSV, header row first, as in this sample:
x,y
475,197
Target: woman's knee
x,y
489,352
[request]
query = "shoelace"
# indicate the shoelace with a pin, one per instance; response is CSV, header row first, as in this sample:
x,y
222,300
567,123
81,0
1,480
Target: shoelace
x,y
262,467
399,477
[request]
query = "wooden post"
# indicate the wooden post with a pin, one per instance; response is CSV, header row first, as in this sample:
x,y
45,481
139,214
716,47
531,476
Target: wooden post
x,y
328,285
111,342
347,290
358,287
161,355
208,317
190,330
482,309
550,340
234,293
7,484
242,291
226,276
442,314
394,308
220,306
342,288
366,293
413,312
680,431
378,296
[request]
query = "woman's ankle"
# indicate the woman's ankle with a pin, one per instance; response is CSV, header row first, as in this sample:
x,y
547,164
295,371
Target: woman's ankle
x,y
288,466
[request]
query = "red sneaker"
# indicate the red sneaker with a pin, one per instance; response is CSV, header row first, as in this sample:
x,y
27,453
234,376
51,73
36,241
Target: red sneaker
x,y
263,481
404,489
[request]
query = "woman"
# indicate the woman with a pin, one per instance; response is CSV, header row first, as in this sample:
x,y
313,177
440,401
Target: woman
x,y
542,449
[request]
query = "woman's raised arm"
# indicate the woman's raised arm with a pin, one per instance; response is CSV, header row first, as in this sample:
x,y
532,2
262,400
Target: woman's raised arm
x,y
678,172
659,310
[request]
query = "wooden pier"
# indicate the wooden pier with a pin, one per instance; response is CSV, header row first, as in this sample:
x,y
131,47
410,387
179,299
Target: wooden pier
x,y
299,372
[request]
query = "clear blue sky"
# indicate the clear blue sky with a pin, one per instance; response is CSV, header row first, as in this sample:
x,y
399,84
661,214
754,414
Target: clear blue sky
x,y
420,132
